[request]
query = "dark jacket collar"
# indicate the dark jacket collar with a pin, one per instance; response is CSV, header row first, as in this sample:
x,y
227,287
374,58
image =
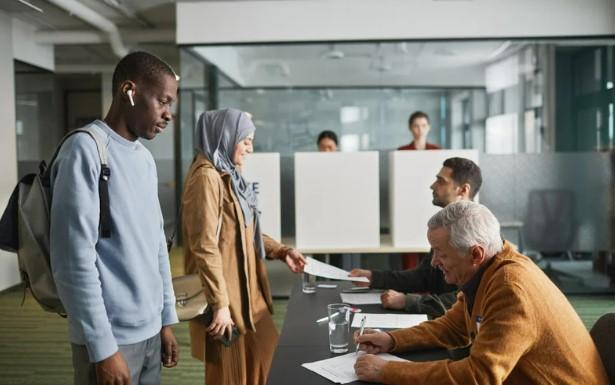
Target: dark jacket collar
x,y
471,287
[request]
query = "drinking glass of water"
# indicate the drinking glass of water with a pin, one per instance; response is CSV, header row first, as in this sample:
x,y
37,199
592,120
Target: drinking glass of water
x,y
309,283
339,327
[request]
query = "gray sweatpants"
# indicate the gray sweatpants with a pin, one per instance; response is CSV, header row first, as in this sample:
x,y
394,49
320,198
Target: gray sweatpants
x,y
142,358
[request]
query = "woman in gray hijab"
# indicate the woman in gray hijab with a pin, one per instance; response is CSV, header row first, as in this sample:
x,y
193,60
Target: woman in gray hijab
x,y
223,243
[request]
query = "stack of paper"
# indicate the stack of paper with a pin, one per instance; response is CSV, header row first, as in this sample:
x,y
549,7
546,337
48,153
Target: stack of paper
x,y
361,298
320,269
341,369
389,321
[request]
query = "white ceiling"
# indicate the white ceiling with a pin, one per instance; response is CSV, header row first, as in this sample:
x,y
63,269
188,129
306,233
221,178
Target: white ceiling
x,y
444,64
441,64
124,13
127,15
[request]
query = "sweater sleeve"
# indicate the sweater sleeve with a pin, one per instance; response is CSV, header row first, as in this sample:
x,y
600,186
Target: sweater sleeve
x,y
423,279
169,315
201,202
433,305
75,213
448,331
405,281
506,332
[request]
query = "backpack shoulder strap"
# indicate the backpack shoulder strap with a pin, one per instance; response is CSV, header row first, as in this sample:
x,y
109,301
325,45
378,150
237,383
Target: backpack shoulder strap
x,y
100,146
105,173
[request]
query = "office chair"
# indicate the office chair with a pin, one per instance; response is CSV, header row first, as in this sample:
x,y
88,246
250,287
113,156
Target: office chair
x,y
602,334
550,230
549,224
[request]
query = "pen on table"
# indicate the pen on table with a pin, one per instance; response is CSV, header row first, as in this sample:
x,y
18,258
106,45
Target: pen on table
x,y
352,309
356,350
323,319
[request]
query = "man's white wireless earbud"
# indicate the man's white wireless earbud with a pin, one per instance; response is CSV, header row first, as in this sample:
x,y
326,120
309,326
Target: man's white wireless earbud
x,y
129,93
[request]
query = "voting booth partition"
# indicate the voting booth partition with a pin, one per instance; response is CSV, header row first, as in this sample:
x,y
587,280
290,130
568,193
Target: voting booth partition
x,y
410,198
264,170
337,200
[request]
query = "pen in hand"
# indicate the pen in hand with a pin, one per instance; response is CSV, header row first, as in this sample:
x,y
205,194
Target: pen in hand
x,y
360,334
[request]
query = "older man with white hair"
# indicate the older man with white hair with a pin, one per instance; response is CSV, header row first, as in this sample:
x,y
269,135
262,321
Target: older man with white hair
x,y
521,328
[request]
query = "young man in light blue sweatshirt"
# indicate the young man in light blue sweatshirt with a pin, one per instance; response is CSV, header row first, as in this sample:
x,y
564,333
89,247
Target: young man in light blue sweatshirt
x,y
117,290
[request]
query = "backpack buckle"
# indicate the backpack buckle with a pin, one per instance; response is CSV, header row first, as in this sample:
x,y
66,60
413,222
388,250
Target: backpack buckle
x,y
105,172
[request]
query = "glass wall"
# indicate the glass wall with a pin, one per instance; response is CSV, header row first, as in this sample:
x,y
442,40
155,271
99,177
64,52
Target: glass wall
x,y
289,120
539,112
47,107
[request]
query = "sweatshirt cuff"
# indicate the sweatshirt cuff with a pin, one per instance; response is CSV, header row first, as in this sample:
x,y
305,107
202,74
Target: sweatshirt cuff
x,y
413,303
169,315
102,347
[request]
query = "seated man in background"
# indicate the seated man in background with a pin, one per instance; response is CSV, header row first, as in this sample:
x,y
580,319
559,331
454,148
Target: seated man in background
x,y
458,180
521,328
327,141
418,123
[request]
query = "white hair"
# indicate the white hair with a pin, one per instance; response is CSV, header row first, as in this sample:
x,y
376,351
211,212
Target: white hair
x,y
469,224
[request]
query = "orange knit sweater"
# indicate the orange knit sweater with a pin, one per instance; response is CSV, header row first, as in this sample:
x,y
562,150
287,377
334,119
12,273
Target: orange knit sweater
x,y
522,330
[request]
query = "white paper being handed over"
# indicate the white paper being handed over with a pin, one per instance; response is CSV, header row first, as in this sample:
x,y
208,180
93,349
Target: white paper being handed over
x,y
321,269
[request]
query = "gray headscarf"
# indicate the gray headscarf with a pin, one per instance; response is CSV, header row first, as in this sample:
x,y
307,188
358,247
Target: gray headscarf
x,y
217,134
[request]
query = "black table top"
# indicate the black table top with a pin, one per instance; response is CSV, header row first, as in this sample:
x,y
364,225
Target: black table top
x,y
303,340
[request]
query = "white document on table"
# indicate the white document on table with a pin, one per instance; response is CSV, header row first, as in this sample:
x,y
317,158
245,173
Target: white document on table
x,y
389,321
321,269
361,298
340,369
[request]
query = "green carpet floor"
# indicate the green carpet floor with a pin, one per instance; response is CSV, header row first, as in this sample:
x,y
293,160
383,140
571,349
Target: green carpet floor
x,y
34,348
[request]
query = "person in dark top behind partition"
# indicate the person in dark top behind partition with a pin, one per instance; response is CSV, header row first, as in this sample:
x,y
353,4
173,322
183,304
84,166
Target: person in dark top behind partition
x,y
327,141
459,179
418,123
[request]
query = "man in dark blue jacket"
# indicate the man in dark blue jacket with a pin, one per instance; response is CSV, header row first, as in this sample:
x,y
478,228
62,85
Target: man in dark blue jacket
x,y
423,290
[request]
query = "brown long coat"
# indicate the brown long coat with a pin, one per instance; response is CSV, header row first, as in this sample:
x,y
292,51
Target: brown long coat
x,y
231,274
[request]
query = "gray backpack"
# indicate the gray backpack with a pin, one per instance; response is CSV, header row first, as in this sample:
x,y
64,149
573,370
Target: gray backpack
x,y
24,227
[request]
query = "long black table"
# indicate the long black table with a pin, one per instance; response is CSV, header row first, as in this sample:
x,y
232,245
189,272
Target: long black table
x,y
303,340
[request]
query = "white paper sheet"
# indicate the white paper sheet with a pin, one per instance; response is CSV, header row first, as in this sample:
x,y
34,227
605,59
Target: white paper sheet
x,y
315,267
388,321
361,298
340,369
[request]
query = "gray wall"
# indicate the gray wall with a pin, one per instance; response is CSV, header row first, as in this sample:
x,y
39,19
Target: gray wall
x,y
9,275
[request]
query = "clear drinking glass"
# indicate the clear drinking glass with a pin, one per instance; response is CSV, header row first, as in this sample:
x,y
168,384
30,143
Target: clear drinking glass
x,y
339,327
309,283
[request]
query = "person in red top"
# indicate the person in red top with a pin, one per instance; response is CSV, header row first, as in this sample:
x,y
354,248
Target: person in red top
x,y
418,123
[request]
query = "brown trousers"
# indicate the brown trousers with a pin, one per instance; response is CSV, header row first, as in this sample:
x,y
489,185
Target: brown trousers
x,y
247,360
